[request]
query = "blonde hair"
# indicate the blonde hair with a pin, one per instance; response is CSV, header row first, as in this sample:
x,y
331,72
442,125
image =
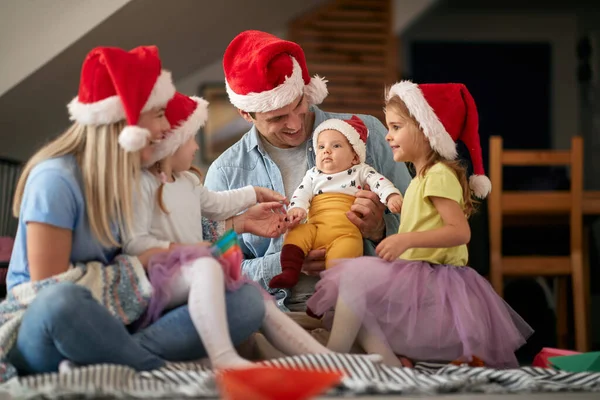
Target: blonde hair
x,y
398,106
159,193
109,173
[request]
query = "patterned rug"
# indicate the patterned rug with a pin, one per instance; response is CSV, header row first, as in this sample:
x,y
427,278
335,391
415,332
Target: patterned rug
x,y
363,376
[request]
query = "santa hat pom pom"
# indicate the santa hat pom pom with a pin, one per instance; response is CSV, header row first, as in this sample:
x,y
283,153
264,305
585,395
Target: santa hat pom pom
x,y
480,185
316,90
133,138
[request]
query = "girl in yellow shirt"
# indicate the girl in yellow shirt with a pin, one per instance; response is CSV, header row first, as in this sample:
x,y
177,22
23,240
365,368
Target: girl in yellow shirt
x,y
418,298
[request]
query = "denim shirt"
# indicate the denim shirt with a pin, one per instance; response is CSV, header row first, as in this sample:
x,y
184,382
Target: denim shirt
x,y
247,163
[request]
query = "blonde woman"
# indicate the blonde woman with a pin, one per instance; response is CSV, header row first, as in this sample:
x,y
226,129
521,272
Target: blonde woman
x,y
73,199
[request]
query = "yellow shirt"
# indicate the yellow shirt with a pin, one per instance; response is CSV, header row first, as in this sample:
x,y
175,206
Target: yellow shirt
x,y
419,214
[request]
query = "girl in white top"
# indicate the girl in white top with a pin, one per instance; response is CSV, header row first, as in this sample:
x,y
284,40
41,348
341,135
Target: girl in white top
x,y
168,217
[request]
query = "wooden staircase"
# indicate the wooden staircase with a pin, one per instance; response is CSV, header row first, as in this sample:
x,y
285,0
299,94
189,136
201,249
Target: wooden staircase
x,y
351,43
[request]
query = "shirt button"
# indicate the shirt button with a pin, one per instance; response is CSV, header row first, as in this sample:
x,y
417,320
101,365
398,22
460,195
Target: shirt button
x,y
310,149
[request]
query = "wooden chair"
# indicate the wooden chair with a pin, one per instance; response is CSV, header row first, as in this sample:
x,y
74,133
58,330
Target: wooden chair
x,y
542,203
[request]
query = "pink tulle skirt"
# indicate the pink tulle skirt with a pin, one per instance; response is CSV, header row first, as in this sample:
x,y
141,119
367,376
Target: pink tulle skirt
x,y
164,266
425,312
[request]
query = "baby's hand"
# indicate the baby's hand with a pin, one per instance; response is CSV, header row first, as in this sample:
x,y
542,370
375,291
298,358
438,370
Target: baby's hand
x,y
264,195
394,203
295,216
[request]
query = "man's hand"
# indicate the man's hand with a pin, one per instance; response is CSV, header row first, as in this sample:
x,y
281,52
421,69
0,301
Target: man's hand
x,y
367,214
314,262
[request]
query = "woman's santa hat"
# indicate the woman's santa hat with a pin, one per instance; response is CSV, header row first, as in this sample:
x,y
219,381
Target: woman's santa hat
x,y
264,73
186,116
118,85
446,113
354,129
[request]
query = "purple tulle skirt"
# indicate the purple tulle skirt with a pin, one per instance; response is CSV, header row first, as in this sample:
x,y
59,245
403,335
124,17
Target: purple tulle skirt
x,y
425,312
164,266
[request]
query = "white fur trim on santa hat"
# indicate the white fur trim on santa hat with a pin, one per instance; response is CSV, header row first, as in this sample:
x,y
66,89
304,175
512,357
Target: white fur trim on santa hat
x,y
345,129
178,136
110,110
273,99
480,185
162,92
439,139
133,138
316,90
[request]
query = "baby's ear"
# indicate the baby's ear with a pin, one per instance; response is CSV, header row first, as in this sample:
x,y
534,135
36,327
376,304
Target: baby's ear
x,y
356,159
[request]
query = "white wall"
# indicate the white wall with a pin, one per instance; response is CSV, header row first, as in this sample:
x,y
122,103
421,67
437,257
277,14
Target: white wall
x,y
560,30
34,31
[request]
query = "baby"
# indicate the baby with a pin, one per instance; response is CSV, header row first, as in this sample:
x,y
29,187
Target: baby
x,y
326,194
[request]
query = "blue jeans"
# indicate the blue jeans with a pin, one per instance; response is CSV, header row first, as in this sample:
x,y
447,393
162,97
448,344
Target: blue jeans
x,y
66,322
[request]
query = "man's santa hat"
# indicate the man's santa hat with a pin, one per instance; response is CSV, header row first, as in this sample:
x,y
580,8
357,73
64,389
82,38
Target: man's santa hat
x,y
264,73
118,85
446,113
186,116
354,129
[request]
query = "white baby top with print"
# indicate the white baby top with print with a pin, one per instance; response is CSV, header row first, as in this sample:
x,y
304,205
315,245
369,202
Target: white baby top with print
x,y
349,182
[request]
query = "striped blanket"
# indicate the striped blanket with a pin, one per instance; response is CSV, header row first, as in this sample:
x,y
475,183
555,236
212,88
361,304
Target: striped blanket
x,y
121,287
362,376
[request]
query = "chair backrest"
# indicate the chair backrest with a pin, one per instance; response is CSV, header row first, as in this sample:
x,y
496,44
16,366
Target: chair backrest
x,y
503,202
9,174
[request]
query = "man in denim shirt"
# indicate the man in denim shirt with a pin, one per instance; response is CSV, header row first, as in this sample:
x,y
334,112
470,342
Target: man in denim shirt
x,y
267,80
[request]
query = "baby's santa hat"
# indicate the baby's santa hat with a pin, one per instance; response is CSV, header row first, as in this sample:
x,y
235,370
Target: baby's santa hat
x,y
446,113
264,73
354,129
186,114
118,85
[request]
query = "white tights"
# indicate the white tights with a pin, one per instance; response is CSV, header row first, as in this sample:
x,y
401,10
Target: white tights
x,y
347,328
203,283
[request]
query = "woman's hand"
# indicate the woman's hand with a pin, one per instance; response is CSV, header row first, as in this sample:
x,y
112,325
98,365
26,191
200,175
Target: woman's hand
x,y
295,216
392,247
263,219
264,195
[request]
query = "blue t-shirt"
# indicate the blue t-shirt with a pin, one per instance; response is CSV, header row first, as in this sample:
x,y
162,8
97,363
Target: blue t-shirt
x,y
54,196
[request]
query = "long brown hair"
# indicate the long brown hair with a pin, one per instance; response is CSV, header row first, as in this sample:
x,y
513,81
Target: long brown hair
x,y
398,106
109,174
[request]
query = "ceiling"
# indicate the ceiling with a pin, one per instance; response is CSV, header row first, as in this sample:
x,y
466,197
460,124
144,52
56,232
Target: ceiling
x,y
191,34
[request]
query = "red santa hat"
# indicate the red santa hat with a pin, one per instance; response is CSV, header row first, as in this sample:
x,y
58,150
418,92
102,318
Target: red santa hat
x,y
446,113
186,116
354,129
118,85
264,73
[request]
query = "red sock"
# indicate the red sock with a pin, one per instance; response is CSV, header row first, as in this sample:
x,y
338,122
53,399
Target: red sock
x,y
312,314
292,258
